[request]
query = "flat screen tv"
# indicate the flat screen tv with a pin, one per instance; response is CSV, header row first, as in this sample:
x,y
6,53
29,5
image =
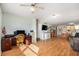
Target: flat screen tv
x,y
44,27
19,32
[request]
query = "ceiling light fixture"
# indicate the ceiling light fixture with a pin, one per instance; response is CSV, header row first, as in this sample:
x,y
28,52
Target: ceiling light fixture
x,y
55,15
33,9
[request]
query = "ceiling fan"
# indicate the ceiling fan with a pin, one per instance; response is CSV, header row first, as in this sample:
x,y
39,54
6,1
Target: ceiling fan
x,y
33,6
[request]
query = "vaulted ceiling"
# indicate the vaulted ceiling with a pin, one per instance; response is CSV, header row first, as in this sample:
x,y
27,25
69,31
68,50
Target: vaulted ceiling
x,y
53,13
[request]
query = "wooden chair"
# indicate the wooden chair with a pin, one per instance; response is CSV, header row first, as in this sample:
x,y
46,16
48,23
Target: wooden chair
x,y
20,39
31,50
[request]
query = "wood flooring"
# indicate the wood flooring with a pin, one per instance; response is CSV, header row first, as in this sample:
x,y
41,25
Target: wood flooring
x,y
50,47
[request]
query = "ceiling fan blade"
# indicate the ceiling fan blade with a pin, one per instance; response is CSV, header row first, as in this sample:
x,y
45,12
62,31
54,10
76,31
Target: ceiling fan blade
x,y
24,5
34,4
39,7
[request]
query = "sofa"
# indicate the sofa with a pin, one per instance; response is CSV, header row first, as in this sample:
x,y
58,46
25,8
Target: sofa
x,y
74,41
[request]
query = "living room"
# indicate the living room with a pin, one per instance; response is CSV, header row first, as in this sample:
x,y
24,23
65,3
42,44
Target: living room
x,y
46,24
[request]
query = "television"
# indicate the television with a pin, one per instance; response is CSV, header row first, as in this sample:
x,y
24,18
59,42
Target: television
x,y
44,27
19,32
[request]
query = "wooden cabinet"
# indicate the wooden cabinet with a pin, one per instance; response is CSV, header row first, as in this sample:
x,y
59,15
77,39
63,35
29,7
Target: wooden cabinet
x,y
5,44
29,39
8,41
13,41
53,34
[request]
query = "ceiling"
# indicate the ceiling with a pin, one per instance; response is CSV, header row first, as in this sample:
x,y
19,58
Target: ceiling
x,y
53,13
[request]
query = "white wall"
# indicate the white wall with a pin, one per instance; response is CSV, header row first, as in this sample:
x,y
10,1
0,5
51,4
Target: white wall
x,y
39,30
34,31
13,23
0,29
